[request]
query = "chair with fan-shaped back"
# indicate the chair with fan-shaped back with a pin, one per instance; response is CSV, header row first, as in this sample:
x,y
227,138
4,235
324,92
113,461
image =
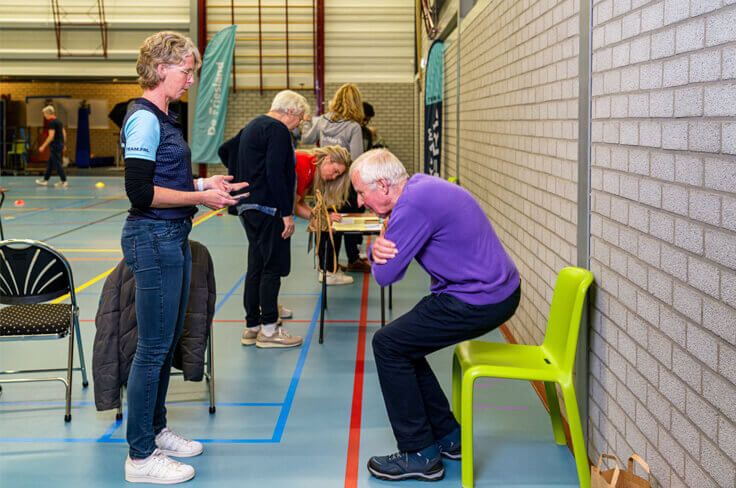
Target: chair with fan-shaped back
x,y
31,274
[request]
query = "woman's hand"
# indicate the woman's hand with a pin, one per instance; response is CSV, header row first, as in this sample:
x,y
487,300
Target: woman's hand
x,y
288,227
217,199
222,182
335,217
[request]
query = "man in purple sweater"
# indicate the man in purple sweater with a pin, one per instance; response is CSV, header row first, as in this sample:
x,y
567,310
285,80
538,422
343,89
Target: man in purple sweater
x,y
474,288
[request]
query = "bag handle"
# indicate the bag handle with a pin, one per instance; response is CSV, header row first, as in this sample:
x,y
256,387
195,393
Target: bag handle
x,y
641,463
616,470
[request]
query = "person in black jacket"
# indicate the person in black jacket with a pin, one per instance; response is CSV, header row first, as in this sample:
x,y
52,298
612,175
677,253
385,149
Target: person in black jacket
x,y
267,162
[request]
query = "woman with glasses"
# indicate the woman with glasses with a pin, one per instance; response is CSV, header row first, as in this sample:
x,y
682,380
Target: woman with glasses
x,y
163,197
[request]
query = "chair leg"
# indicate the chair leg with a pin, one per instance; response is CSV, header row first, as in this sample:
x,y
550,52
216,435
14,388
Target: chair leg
x,y
70,363
211,372
456,389
576,432
554,413
82,364
466,430
119,413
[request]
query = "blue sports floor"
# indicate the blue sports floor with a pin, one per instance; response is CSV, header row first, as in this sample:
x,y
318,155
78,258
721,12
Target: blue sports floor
x,y
283,416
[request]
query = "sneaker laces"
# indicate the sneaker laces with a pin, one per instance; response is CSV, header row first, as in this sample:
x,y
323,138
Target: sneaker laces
x,y
161,463
170,439
396,455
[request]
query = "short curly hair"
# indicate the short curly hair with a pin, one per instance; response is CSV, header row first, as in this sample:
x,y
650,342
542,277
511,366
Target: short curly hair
x,y
164,47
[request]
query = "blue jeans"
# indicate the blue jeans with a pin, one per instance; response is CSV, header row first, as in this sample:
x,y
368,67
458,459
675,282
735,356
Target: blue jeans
x,y
158,253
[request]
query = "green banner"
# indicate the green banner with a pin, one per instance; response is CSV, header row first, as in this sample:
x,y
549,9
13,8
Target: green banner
x,y
209,114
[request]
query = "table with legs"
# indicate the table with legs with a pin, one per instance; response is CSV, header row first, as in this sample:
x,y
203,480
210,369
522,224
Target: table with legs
x,y
367,231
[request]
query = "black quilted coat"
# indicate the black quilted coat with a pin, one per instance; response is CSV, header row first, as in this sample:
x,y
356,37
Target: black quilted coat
x,y
117,332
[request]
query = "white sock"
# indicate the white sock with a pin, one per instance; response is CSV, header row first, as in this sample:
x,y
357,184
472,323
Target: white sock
x,y
255,329
268,329
141,461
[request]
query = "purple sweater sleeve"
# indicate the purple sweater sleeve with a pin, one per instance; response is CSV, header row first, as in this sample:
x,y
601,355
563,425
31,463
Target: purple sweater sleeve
x,y
410,230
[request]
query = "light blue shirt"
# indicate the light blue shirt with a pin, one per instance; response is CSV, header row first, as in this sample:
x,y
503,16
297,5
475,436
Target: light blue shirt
x,y
142,136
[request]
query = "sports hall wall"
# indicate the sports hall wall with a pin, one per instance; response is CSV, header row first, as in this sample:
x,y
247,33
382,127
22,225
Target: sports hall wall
x,y
662,362
103,142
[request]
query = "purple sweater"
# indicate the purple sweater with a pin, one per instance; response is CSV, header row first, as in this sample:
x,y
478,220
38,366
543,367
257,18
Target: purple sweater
x,y
445,229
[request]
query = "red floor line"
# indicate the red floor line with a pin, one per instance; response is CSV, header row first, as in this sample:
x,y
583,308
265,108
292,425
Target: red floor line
x,y
351,468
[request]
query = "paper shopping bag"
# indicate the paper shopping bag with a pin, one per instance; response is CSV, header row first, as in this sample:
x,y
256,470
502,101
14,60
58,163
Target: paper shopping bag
x,y
607,478
628,479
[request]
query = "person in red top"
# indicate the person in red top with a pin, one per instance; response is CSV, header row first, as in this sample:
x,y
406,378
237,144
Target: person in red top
x,y
324,169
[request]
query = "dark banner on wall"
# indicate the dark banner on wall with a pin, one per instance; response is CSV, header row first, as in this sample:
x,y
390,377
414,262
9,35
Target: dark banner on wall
x,y
433,90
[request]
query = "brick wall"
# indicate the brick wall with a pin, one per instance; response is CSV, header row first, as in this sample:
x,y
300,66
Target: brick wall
x,y
663,362
518,130
103,142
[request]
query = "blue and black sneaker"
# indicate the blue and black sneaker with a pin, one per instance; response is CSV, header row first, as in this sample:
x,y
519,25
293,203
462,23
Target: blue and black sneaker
x,y
424,465
449,445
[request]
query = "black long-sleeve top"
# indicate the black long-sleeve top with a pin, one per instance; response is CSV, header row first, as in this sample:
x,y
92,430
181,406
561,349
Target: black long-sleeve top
x,y
267,162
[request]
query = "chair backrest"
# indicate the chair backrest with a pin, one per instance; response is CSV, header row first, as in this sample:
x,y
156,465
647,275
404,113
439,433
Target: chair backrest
x,y
33,272
563,324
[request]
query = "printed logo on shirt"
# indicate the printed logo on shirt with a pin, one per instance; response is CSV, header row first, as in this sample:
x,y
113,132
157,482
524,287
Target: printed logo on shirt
x,y
144,149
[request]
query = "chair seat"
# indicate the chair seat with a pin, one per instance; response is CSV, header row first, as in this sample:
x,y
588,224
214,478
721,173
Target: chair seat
x,y
507,360
37,319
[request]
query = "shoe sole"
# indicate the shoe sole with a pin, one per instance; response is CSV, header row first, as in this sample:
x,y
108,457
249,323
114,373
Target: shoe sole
x,y
452,455
155,481
247,342
178,454
269,345
437,476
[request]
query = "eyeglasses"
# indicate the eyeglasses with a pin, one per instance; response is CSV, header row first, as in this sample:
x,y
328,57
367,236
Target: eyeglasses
x,y
189,73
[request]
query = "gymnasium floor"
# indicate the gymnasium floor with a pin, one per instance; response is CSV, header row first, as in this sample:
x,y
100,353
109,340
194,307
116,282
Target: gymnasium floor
x,y
308,417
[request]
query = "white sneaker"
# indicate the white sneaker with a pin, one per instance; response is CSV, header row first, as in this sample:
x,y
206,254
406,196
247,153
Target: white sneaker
x,y
42,182
337,278
172,444
61,184
285,313
158,469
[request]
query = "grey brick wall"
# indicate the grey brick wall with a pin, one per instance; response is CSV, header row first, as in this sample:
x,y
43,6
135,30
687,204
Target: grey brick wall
x,y
518,129
663,243
662,358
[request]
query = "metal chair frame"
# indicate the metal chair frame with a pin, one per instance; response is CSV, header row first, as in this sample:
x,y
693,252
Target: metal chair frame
x,y
71,331
209,376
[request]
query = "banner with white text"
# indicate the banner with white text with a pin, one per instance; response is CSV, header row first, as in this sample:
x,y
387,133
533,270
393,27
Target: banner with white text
x,y
209,114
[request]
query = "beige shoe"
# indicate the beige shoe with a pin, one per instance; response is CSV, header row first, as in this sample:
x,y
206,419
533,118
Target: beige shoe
x,y
61,184
280,338
285,313
249,336
42,182
338,278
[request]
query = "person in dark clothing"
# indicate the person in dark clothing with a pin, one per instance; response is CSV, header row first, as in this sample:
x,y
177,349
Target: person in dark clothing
x,y
56,142
266,160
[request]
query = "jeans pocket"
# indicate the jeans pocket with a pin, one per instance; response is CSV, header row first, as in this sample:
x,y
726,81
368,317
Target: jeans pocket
x,y
127,243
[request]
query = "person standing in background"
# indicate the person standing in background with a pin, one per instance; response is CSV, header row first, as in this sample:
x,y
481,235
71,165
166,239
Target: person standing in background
x,y
56,142
341,126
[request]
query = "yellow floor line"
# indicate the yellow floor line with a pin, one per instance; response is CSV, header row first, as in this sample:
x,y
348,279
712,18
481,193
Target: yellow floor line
x,y
103,275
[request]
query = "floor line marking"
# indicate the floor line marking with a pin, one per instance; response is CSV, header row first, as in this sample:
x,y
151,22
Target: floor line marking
x,y
103,275
103,202
351,467
278,432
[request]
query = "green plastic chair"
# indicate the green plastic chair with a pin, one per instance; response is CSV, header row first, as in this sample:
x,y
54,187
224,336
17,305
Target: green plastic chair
x,y
552,362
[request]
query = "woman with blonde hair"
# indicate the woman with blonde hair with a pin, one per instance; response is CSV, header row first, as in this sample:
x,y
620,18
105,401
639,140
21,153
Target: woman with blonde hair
x,y
324,169
163,197
341,126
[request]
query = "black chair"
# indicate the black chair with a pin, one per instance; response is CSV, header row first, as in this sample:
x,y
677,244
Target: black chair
x,y
31,274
